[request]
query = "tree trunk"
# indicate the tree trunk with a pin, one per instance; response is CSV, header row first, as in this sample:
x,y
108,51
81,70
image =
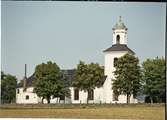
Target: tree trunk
x,y
87,98
57,100
151,98
128,98
48,99
64,100
42,100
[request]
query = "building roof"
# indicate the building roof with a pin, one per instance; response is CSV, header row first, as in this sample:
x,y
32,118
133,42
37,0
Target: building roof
x,y
119,47
29,81
68,74
120,24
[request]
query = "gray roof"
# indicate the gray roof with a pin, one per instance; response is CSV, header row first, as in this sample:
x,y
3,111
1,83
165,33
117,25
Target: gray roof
x,y
68,74
29,81
119,47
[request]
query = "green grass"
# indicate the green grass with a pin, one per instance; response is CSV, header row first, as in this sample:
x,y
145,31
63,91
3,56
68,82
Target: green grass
x,y
94,111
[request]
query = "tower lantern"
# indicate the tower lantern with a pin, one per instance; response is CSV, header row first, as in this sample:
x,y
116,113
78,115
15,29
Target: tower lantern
x,y
120,32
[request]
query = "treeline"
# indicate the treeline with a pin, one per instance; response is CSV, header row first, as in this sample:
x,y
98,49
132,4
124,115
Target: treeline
x,y
8,88
130,79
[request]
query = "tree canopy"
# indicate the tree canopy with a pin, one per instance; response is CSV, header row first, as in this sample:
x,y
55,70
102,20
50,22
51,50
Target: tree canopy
x,y
8,88
49,81
127,76
154,79
88,76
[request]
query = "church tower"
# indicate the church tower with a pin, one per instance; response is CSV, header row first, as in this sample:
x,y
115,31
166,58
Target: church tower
x,y
111,55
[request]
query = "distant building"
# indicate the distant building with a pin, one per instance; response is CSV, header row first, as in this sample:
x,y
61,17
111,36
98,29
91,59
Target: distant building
x,y
104,94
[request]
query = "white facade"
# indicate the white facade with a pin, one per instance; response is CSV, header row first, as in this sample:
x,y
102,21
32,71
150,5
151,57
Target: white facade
x,y
29,97
103,94
123,36
98,96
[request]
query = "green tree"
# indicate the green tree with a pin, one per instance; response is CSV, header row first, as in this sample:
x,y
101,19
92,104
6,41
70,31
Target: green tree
x,y
127,76
154,79
88,76
49,81
8,88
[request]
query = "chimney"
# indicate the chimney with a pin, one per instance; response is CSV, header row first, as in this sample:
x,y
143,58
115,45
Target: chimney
x,y
25,76
25,79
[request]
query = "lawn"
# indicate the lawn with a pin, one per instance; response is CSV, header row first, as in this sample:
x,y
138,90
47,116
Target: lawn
x,y
139,111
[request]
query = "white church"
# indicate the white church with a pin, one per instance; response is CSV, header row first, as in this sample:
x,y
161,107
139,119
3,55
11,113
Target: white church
x,y
104,94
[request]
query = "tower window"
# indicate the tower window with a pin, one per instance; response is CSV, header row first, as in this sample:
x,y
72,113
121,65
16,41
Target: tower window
x,y
115,61
90,94
27,97
76,94
118,39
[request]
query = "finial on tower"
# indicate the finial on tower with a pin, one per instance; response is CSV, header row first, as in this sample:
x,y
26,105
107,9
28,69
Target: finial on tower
x,y
120,18
120,24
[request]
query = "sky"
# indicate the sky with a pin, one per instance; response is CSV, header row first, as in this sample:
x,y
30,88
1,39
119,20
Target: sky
x,y
66,32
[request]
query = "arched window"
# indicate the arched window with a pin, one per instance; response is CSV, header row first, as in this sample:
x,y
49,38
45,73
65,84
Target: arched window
x,y
90,94
115,61
118,39
76,94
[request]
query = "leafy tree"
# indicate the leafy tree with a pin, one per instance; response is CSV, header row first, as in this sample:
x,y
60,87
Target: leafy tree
x,y
8,88
88,76
49,81
154,79
127,76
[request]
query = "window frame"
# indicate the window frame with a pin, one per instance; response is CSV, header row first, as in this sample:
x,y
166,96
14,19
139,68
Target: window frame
x,y
76,94
62,97
91,94
27,97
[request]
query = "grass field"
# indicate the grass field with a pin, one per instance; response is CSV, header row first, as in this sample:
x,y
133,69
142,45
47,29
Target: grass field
x,y
134,111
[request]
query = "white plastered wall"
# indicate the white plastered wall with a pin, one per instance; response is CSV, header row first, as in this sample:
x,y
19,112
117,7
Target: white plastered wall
x,y
123,36
98,96
21,96
33,98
